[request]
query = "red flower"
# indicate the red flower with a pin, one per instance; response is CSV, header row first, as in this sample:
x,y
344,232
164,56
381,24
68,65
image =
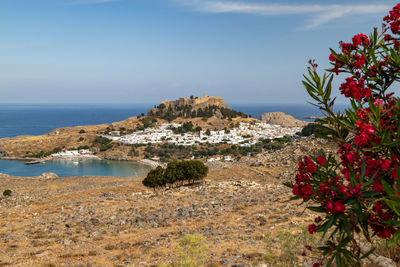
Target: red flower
x,y
346,47
385,164
329,206
306,191
342,189
339,207
365,127
316,264
296,190
361,139
383,234
354,89
355,191
312,228
325,190
379,207
321,160
359,61
377,186
394,173
386,216
311,168
360,39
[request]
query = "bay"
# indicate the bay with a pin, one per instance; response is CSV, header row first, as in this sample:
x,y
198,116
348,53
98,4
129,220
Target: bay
x,y
75,167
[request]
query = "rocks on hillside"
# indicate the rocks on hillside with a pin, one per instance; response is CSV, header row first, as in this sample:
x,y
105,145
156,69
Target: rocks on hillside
x,y
280,118
3,154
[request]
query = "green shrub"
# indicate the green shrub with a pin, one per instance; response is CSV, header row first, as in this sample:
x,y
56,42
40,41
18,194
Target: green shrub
x,y
192,251
286,248
105,147
101,140
308,130
7,192
355,189
57,149
41,154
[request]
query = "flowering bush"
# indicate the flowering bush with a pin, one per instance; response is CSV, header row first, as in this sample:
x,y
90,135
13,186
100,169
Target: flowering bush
x,y
357,191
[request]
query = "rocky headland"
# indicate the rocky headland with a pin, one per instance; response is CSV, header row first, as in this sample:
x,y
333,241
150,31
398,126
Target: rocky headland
x,y
280,118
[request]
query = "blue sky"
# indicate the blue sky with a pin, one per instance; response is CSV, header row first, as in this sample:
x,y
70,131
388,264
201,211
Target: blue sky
x,y
130,51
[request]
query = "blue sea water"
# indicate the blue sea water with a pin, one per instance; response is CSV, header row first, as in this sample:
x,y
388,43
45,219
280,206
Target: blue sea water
x,y
36,119
75,167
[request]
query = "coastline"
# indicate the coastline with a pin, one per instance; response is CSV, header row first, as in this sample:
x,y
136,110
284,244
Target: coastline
x,y
151,163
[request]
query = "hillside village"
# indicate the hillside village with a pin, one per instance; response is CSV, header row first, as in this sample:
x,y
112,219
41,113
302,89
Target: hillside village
x,y
245,135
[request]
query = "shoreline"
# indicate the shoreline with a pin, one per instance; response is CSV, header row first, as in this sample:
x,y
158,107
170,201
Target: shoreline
x,y
148,162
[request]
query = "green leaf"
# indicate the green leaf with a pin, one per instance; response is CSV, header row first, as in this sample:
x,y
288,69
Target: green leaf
x,y
393,205
394,240
346,227
330,261
363,170
367,254
338,260
328,88
369,194
317,209
325,227
388,189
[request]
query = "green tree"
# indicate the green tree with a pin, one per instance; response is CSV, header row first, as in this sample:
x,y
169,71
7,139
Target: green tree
x,y
195,170
154,178
173,172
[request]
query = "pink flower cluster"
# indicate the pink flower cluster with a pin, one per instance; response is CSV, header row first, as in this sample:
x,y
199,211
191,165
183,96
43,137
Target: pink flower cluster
x,y
355,89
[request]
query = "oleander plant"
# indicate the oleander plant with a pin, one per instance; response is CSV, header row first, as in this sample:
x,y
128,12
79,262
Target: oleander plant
x,y
357,190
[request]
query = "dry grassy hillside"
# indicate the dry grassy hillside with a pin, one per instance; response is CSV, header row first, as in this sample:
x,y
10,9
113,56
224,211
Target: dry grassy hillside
x,y
107,221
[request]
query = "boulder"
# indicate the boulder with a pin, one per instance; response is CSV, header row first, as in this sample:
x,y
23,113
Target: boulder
x,y
280,118
48,175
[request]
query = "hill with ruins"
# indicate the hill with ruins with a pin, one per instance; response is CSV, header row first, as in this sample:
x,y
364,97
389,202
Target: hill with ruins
x,y
194,107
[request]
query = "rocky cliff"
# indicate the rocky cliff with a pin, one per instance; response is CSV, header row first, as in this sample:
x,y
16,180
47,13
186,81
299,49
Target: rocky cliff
x,y
206,106
195,102
280,118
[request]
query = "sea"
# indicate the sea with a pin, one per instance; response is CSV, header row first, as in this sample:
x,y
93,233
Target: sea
x,y
75,167
36,119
